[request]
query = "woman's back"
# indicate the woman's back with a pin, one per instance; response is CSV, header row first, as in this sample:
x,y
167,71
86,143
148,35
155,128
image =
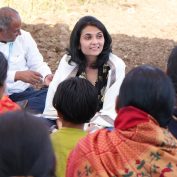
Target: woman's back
x,y
143,149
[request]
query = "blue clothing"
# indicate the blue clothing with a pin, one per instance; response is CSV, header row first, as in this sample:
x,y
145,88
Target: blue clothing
x,y
36,99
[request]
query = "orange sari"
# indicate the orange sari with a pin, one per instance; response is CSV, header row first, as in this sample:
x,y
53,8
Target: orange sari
x,y
6,104
137,147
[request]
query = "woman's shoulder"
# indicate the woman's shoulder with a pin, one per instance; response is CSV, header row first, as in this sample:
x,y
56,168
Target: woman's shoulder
x,y
66,59
115,61
6,104
90,143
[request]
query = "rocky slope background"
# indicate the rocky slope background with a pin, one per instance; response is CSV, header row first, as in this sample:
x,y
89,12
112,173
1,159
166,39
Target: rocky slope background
x,y
143,31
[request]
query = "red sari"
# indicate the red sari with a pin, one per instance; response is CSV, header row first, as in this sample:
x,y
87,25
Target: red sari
x,y
6,104
137,147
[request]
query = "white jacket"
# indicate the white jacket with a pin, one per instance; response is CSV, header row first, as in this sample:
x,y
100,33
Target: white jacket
x,y
106,116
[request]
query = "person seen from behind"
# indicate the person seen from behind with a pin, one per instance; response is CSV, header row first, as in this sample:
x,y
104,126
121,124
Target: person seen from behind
x,y
26,148
76,102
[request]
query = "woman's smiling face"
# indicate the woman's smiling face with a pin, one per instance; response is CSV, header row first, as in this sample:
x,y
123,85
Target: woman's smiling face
x,y
91,41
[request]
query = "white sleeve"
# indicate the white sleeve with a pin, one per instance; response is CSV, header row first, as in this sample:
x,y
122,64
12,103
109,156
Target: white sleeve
x,y
34,58
106,116
62,72
49,109
10,76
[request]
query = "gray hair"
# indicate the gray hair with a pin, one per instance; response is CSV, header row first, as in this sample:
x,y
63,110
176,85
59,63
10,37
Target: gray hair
x,y
6,17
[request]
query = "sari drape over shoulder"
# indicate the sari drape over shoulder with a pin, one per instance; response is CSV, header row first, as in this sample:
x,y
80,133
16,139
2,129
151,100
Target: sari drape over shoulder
x,y
137,146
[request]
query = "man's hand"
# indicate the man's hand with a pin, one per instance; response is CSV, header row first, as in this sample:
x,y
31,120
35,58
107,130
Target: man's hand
x,y
28,76
48,79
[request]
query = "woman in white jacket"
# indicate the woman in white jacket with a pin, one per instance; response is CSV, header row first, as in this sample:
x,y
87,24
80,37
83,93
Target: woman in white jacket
x,y
90,56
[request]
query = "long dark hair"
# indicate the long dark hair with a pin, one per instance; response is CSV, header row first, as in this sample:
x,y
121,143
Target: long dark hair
x,y
149,89
76,54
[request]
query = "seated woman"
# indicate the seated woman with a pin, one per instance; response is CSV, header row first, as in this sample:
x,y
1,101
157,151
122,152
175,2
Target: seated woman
x,y
172,73
90,56
140,144
6,104
26,149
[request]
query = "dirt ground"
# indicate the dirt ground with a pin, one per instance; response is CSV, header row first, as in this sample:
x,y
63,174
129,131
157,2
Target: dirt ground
x,y
143,31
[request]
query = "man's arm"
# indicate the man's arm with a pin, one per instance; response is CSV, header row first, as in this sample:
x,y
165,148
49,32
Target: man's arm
x,y
31,77
35,60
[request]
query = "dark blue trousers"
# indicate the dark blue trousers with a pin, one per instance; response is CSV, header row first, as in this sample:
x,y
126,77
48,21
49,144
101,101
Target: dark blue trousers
x,y
35,99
